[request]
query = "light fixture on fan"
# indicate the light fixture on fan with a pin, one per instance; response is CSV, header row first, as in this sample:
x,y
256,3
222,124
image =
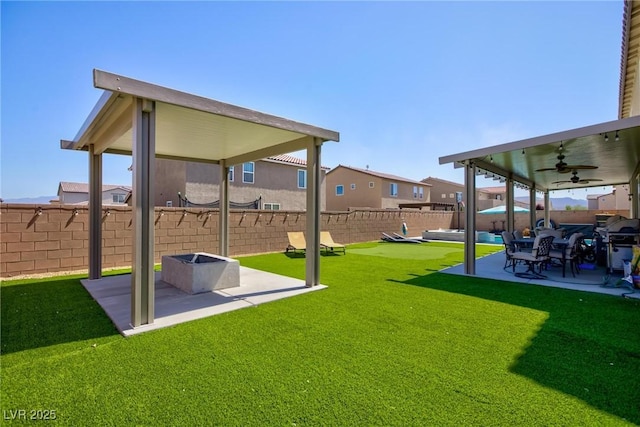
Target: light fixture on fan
x,y
563,167
575,179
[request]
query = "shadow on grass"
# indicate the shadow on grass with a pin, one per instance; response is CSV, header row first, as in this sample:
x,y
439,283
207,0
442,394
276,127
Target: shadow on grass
x,y
51,311
294,254
322,253
589,347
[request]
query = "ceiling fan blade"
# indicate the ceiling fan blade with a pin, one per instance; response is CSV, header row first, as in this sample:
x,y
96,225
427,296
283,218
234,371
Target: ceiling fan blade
x,y
545,169
572,167
560,182
586,181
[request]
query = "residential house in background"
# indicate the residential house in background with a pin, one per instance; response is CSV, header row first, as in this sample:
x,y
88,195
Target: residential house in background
x,y
350,188
77,193
486,197
279,182
490,197
444,191
618,199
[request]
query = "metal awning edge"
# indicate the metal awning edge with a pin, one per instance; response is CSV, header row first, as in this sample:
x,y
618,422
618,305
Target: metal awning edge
x,y
121,84
107,98
599,128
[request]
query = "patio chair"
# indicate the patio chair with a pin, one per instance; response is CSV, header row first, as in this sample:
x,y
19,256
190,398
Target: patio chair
x,y
517,234
568,253
536,258
509,248
297,241
326,242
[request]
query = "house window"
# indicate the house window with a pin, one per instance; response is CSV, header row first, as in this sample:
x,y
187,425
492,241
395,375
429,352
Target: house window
x,y
231,173
339,190
371,184
393,189
353,186
451,195
271,206
302,178
420,192
248,172
498,196
444,196
415,192
119,198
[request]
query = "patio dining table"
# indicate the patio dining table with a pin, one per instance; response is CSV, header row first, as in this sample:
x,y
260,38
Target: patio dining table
x,y
527,243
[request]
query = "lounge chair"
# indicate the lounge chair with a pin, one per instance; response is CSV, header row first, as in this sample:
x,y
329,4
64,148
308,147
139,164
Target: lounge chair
x,y
397,239
326,242
400,236
297,241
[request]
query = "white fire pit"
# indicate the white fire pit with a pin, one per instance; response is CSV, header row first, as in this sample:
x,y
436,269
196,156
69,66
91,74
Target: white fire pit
x,y
200,272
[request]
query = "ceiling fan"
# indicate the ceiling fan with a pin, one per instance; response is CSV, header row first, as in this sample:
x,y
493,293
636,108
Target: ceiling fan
x,y
575,179
562,167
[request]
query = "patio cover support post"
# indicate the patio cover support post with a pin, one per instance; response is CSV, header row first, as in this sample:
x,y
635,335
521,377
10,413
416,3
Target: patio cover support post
x,y
312,276
470,219
510,205
142,274
547,210
95,213
532,208
223,220
634,187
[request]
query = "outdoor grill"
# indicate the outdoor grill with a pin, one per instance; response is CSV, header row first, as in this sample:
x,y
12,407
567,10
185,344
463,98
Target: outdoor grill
x,y
619,235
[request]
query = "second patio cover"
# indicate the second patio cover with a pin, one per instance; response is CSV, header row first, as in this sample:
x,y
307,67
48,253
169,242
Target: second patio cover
x,y
147,121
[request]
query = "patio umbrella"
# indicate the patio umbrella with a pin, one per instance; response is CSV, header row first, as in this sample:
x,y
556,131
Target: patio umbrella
x,y
502,209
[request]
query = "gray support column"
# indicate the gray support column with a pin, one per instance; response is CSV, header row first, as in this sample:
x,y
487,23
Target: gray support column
x,y
634,187
95,214
142,274
470,219
223,220
532,208
547,210
312,276
510,203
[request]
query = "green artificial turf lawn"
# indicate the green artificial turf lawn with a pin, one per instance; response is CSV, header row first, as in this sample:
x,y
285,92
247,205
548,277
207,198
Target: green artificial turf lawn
x,y
389,342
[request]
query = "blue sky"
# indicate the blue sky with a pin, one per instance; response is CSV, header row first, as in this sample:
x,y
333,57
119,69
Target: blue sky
x,y
403,83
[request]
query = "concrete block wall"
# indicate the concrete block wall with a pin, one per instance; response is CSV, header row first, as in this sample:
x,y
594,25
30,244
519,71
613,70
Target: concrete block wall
x,y
483,221
37,239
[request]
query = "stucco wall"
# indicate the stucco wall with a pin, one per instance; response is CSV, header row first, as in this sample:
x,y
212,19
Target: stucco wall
x,y
275,182
363,195
439,188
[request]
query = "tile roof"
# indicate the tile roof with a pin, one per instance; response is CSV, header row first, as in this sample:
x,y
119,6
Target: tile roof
x,y
382,175
82,187
494,190
433,178
285,158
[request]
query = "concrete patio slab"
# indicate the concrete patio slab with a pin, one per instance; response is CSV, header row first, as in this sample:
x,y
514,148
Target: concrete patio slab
x,y
492,267
172,306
